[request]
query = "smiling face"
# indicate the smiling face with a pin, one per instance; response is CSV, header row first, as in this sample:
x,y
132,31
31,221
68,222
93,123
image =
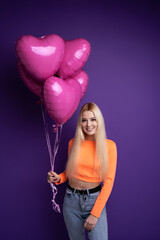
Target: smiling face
x,y
89,124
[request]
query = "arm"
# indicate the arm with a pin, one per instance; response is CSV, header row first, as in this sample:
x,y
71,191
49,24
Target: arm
x,y
108,182
103,196
62,177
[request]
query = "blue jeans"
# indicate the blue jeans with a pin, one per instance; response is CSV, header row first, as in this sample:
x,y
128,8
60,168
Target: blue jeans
x,y
76,209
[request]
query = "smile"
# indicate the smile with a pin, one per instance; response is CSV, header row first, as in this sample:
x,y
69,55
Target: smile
x,y
89,130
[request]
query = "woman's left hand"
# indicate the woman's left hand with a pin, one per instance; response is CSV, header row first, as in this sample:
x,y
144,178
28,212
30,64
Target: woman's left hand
x,y
90,222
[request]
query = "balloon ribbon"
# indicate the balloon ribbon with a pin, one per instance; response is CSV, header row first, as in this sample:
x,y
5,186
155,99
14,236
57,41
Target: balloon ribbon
x,y
58,130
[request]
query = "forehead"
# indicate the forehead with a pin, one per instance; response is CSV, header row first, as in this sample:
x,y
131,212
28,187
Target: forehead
x,y
88,114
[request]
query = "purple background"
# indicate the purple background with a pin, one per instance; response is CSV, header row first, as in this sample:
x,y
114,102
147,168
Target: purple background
x,y
124,75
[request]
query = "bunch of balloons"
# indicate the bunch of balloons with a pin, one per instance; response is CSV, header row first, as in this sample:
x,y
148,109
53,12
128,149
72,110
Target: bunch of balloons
x,y
51,68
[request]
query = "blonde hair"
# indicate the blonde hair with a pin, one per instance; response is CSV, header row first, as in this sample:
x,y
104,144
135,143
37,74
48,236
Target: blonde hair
x,y
100,142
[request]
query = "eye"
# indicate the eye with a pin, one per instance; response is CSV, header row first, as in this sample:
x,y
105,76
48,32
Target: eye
x,y
93,119
83,120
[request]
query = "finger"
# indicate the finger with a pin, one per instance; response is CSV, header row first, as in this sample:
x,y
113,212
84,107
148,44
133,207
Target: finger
x,y
54,177
91,228
49,177
87,229
87,226
49,180
57,180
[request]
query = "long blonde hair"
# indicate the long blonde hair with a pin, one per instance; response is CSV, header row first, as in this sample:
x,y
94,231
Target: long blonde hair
x,y
100,143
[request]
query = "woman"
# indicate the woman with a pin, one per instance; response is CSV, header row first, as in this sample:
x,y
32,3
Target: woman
x,y
92,160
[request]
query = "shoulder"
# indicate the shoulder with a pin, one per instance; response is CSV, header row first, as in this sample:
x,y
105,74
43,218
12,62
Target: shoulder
x,y
112,150
70,145
70,142
111,144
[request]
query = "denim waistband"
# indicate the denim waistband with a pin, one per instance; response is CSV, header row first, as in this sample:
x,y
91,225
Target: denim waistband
x,y
86,191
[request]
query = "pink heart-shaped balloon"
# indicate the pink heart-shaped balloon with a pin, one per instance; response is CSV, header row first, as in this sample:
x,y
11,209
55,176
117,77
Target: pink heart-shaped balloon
x,y
41,57
75,56
83,80
33,85
61,98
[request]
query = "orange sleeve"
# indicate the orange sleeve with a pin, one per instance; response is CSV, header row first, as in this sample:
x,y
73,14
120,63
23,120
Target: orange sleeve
x,y
63,176
108,182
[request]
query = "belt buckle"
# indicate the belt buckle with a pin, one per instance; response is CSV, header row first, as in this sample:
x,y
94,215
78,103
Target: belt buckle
x,y
84,196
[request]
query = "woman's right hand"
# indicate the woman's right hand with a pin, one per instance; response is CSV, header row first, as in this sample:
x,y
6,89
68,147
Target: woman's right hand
x,y
53,177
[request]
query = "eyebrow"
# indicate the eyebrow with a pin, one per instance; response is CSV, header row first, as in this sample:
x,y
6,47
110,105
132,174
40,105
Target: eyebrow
x,y
90,118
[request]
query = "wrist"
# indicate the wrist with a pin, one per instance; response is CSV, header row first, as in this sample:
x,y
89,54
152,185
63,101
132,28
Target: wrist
x,y
94,216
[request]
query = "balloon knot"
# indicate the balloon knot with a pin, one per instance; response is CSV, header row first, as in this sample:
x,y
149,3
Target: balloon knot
x,y
55,127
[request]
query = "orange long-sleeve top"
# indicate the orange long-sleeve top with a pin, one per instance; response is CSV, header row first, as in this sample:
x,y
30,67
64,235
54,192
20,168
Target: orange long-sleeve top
x,y
88,171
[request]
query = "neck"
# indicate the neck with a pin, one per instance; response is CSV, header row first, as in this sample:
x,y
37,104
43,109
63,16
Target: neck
x,y
90,138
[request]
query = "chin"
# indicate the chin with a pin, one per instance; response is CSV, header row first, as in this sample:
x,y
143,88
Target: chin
x,y
90,134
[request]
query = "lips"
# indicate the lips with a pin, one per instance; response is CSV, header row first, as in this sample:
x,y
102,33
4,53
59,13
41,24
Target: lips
x,y
89,130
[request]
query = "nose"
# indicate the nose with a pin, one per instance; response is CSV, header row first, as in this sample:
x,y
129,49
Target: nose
x,y
88,123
